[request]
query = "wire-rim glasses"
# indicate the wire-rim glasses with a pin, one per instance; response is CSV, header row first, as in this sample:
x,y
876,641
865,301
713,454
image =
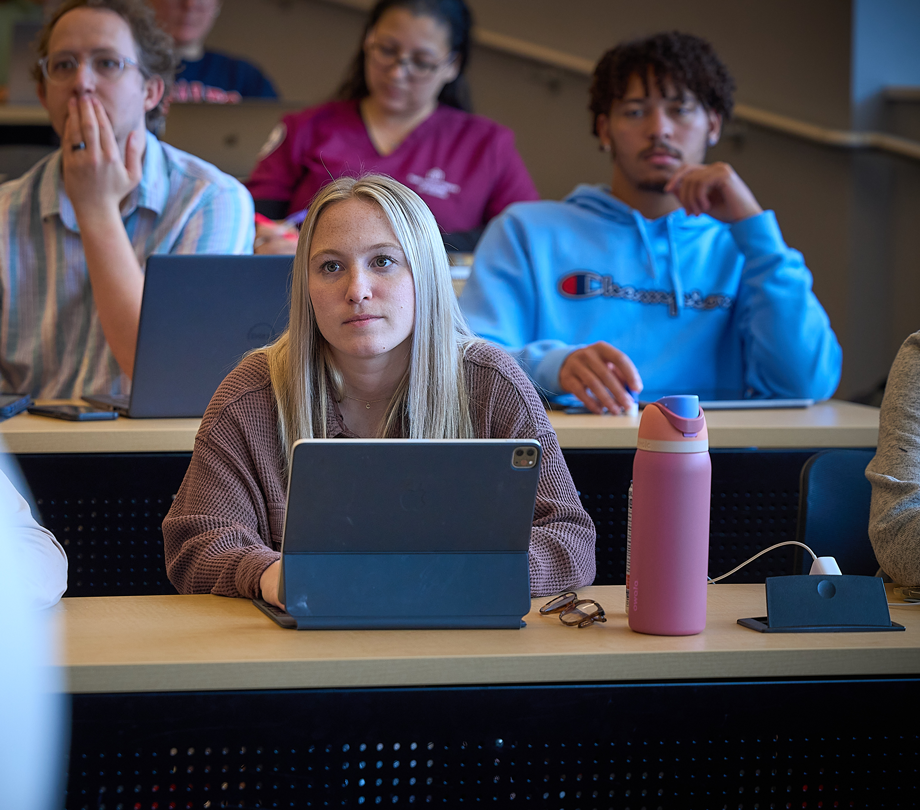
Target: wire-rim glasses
x,y
62,67
387,56
573,611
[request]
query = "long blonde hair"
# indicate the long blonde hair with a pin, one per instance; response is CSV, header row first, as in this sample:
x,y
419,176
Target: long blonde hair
x,y
431,401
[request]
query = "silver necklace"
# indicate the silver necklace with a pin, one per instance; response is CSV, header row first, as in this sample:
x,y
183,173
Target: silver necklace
x,y
367,402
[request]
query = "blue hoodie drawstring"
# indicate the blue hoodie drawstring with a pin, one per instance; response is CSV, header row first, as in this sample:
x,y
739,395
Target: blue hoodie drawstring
x,y
677,300
677,304
643,233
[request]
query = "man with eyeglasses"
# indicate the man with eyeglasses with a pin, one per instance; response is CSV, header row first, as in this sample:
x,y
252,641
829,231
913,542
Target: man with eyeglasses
x,y
79,225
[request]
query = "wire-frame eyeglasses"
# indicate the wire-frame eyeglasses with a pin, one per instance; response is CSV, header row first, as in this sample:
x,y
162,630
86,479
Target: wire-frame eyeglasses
x,y
62,67
387,56
573,611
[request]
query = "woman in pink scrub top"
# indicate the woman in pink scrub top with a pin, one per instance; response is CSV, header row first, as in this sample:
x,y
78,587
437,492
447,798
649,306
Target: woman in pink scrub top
x,y
403,111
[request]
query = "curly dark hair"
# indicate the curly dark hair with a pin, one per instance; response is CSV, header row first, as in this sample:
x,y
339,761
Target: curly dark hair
x,y
453,15
687,61
154,47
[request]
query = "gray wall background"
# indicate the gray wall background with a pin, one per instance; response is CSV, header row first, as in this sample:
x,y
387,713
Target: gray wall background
x,y
855,215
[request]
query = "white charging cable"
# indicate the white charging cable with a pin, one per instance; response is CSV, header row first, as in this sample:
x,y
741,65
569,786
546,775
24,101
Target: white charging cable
x,y
764,551
820,565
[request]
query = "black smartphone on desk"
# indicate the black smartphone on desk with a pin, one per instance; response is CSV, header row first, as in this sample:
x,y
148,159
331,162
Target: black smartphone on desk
x,y
73,413
11,404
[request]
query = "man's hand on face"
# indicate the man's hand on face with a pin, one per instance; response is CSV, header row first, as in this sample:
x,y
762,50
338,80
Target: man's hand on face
x,y
599,375
714,189
96,177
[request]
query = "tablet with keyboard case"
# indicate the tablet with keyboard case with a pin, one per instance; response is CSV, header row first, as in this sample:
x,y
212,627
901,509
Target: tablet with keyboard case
x,y
399,533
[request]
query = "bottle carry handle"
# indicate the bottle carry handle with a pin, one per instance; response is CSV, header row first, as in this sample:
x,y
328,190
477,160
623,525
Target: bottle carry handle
x,y
689,427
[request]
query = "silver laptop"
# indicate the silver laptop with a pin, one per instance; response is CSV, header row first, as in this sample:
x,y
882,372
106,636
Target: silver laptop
x,y
199,316
725,399
721,399
228,135
398,533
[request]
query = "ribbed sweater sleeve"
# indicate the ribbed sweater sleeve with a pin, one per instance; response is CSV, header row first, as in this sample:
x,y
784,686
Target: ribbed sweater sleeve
x,y
504,405
224,527
894,520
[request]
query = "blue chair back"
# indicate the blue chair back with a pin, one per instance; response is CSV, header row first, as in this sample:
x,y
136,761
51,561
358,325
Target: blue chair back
x,y
834,497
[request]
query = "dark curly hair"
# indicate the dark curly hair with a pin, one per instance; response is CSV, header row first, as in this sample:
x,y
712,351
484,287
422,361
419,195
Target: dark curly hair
x,y
687,61
154,47
453,15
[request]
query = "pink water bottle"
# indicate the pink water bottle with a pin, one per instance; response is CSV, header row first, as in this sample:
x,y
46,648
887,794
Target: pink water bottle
x,y
667,553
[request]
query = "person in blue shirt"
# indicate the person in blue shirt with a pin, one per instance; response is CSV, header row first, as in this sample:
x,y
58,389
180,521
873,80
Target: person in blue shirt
x,y
673,277
206,77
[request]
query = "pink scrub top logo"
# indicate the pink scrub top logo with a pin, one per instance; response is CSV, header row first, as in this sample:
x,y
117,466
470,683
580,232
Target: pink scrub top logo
x,y
434,184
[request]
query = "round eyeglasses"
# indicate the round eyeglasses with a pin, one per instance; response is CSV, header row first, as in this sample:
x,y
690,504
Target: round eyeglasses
x,y
387,56
573,611
62,67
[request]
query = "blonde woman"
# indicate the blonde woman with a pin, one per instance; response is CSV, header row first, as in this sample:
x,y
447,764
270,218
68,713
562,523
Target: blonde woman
x,y
376,347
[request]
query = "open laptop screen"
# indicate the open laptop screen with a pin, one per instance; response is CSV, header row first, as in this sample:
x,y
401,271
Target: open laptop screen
x,y
200,314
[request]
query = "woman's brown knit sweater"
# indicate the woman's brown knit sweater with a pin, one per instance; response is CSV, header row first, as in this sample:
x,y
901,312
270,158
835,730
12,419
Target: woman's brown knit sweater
x,y
224,528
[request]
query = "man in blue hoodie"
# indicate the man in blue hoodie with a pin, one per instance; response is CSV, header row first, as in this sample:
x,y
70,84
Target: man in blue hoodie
x,y
672,277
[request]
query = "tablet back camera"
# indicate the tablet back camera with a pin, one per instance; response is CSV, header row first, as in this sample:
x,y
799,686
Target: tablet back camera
x,y
524,458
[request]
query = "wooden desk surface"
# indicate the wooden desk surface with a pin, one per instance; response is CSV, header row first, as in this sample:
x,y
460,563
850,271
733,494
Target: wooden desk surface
x,y
23,115
829,424
174,643
25,433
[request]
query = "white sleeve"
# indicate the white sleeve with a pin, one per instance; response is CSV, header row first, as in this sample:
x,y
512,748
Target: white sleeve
x,y
33,711
42,560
